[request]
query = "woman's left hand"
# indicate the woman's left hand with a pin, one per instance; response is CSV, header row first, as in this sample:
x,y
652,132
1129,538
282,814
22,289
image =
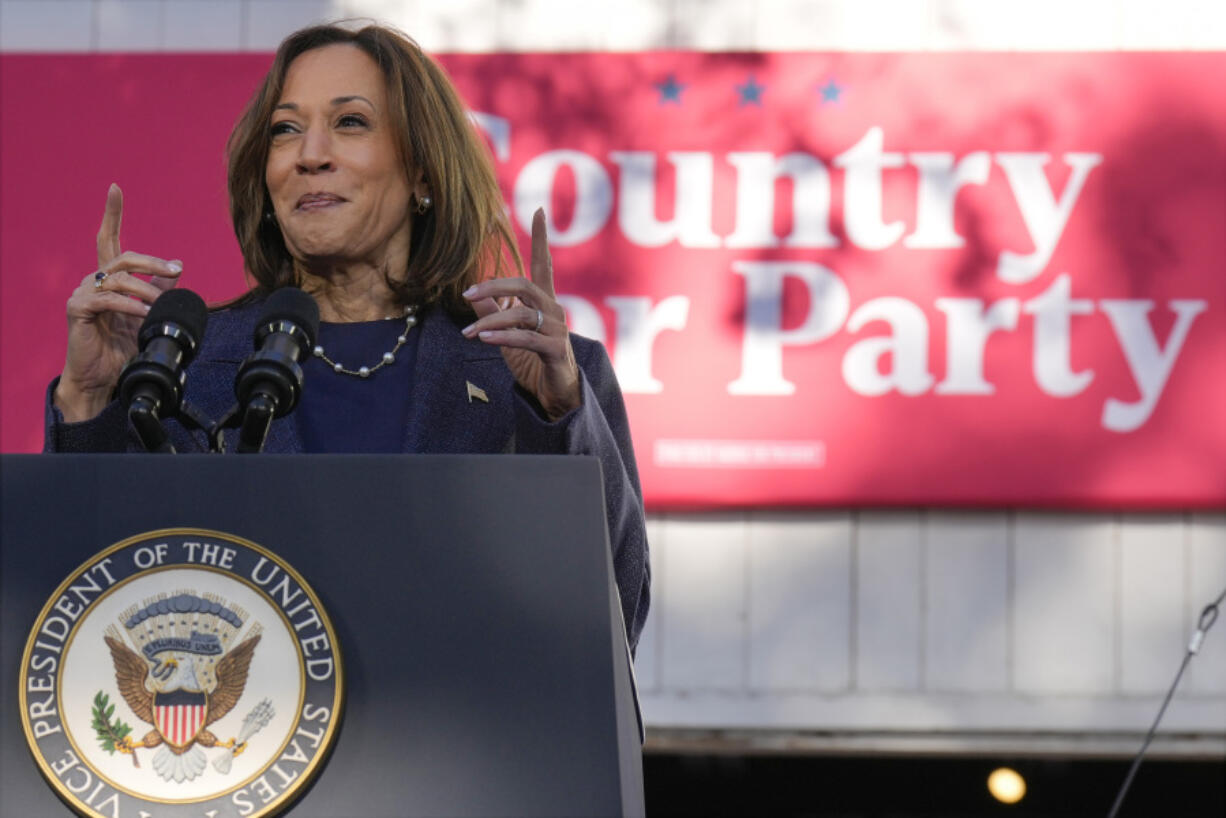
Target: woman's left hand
x,y
531,329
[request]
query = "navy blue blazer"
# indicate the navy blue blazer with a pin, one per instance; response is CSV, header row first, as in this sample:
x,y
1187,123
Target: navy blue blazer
x,y
443,420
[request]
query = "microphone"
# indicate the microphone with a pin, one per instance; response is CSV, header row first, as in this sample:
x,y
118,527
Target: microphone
x,y
151,384
269,382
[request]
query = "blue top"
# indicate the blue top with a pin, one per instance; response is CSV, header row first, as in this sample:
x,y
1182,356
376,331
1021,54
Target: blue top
x,y
342,413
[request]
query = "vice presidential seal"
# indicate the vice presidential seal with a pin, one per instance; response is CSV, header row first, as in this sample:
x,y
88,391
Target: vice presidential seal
x,y
181,673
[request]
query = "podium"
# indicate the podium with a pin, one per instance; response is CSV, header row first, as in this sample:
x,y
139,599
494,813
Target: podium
x,y
472,597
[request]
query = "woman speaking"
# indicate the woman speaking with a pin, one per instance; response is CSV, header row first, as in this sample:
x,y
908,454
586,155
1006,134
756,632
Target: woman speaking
x,y
355,174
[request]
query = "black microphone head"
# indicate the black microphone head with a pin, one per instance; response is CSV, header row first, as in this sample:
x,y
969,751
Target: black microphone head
x,y
293,305
178,306
168,341
284,335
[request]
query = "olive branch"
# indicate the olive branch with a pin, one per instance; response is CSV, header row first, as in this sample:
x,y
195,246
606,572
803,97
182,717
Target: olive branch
x,y
111,735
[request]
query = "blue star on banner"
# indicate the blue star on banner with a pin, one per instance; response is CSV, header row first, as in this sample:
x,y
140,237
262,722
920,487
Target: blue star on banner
x,y
670,90
751,92
830,91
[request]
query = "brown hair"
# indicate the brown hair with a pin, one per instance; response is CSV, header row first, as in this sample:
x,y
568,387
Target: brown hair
x,y
464,237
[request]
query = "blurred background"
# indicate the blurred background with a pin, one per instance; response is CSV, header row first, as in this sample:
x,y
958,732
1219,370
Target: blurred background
x,y
881,573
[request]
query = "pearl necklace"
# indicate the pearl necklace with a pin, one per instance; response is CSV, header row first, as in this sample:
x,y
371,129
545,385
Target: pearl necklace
x,y
410,320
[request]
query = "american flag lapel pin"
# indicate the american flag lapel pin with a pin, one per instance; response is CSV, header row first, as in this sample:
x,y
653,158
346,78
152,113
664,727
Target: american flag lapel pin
x,y
477,392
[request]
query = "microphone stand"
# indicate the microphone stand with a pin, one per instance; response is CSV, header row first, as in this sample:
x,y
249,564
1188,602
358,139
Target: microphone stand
x,y
143,414
229,420
252,422
256,421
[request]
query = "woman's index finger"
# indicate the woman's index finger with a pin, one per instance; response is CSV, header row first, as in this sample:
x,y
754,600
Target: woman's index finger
x,y
541,263
108,232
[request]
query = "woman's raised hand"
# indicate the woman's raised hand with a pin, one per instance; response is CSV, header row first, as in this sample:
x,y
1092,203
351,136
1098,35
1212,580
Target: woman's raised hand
x,y
531,329
104,316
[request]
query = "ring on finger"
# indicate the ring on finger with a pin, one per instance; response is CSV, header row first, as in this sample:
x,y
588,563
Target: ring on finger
x,y
99,277
540,319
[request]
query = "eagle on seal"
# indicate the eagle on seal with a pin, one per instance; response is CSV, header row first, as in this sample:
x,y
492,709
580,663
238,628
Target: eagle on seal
x,y
179,709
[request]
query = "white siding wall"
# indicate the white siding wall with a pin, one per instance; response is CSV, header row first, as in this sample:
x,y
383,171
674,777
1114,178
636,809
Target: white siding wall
x,y
910,628
629,25
930,629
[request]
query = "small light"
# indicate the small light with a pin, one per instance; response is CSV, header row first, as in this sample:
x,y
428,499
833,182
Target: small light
x,y
1006,785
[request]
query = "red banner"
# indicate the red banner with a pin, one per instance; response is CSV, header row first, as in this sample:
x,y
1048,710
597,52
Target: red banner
x,y
971,279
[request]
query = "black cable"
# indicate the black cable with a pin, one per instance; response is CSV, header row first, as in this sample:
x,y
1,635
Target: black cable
x,y
1207,617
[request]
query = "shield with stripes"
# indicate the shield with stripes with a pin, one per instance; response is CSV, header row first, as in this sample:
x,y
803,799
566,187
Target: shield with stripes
x,y
179,715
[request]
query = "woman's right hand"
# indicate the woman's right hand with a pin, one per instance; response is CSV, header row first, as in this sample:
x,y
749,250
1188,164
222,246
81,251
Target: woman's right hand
x,y
103,321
